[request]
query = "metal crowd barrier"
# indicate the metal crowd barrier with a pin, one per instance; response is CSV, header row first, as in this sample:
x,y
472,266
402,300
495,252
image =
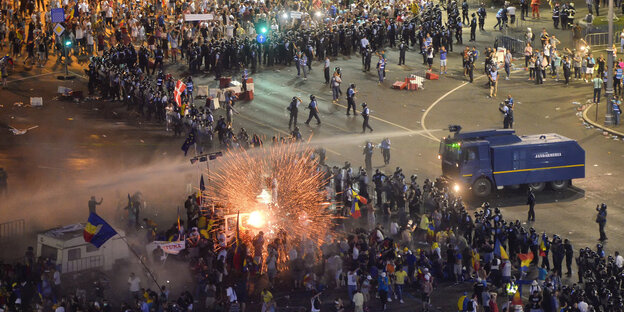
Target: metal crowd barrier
x,y
83,264
598,39
11,229
516,46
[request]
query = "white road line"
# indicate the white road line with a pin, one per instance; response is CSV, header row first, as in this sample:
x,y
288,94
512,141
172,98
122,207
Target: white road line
x,y
79,75
424,116
35,76
386,121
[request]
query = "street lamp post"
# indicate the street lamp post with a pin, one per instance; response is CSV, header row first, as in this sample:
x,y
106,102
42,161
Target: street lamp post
x,y
609,91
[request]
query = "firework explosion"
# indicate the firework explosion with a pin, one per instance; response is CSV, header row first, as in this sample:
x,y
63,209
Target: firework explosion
x,y
297,204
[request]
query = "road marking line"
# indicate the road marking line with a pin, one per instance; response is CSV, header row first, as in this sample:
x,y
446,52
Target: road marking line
x,y
386,121
424,116
30,77
79,75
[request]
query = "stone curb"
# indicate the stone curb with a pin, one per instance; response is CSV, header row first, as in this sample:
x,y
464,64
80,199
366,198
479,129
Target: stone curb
x,y
597,125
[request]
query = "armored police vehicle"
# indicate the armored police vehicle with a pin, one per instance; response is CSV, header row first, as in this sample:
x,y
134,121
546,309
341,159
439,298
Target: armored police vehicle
x,y
487,159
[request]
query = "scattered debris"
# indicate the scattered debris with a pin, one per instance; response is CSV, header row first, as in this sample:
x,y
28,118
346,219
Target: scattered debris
x,y
103,135
576,103
18,104
70,118
16,131
557,108
36,101
142,141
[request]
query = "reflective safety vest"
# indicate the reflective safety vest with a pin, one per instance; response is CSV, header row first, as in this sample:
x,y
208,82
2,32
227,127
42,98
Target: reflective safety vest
x,y
511,288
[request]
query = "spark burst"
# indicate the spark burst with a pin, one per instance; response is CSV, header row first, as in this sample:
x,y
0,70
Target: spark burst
x,y
300,206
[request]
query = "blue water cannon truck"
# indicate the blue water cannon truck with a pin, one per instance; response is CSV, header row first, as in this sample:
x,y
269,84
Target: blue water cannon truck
x,y
486,160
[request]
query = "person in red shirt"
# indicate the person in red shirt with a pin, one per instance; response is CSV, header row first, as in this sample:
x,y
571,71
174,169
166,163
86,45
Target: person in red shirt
x,y
493,305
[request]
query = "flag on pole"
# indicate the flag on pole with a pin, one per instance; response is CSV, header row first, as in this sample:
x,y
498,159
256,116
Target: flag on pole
x,y
476,260
97,231
499,250
542,248
355,204
237,228
525,260
202,188
178,222
177,93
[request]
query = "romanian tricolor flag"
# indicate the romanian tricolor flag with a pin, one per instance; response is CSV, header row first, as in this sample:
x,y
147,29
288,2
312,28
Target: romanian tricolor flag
x,y
97,231
542,248
525,260
476,260
355,204
499,250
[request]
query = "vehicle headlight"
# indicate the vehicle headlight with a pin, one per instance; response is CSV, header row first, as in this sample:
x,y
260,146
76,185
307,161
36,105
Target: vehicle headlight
x,y
456,187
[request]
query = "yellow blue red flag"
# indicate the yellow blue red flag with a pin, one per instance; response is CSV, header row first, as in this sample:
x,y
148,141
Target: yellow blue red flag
x,y
499,250
97,231
525,260
355,204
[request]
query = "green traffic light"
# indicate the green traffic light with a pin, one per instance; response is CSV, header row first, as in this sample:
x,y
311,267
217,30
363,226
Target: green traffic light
x,y
263,30
68,43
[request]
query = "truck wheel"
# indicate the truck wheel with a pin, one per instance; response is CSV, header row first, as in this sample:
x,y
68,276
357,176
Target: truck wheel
x,y
537,187
560,185
482,187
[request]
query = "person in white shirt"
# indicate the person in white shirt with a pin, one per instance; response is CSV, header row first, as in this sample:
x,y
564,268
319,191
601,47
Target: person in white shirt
x,y
364,43
619,260
229,31
56,277
109,16
231,294
355,253
352,283
358,302
583,306
134,283
394,228
79,39
60,308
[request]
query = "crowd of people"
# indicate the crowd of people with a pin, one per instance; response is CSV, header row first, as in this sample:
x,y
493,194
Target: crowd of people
x,y
410,240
